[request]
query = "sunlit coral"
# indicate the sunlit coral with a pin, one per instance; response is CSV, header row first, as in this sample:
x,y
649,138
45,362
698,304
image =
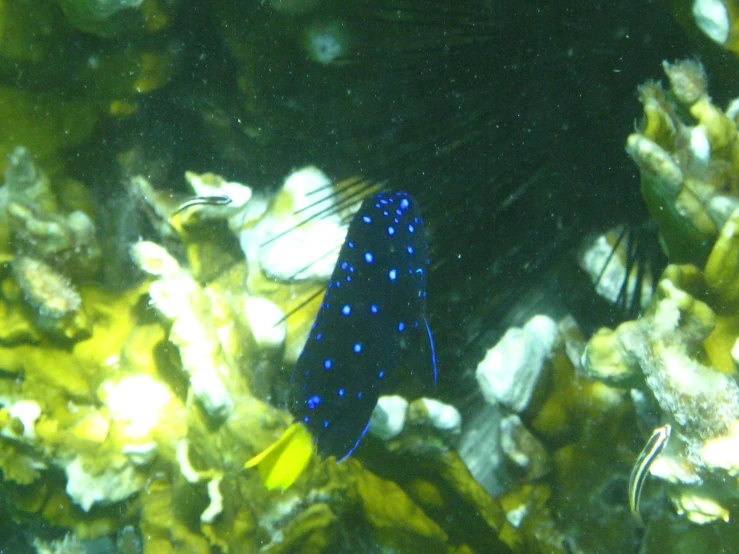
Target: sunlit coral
x,y
680,352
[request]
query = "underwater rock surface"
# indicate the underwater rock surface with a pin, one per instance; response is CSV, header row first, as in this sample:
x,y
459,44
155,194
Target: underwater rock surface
x,y
151,414
127,412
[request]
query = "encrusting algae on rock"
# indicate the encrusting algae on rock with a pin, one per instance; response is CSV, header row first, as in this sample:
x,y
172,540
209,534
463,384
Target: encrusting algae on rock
x,y
150,414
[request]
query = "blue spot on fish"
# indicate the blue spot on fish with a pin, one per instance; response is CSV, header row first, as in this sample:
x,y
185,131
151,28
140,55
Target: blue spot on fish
x,y
385,261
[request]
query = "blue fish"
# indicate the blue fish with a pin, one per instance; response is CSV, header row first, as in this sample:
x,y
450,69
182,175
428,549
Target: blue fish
x,y
374,305
372,311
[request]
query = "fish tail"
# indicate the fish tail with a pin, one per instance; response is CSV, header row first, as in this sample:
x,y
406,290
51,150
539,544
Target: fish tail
x,y
281,463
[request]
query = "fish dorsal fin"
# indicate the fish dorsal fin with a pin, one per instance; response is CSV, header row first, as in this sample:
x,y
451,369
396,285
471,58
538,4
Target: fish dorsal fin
x,y
432,350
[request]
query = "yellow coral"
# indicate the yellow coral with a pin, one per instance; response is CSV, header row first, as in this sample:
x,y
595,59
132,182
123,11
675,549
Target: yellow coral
x,y
685,165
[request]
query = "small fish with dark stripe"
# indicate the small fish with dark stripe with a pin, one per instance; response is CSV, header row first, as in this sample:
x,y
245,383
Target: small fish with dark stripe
x,y
654,447
202,201
373,310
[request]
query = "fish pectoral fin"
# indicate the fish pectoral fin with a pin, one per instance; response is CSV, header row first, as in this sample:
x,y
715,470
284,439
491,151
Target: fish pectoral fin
x,y
281,463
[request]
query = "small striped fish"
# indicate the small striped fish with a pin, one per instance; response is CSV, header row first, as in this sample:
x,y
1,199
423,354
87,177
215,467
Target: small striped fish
x,y
654,447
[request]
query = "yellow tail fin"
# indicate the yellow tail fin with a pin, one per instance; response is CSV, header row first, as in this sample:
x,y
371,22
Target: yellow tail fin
x,y
281,463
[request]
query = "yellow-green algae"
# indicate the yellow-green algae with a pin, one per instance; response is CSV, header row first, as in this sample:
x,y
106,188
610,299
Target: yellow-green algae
x,y
587,429
54,92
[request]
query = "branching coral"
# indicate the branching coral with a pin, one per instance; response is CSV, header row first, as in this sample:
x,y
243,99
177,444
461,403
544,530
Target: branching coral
x,y
681,351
